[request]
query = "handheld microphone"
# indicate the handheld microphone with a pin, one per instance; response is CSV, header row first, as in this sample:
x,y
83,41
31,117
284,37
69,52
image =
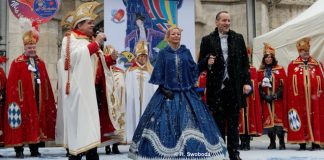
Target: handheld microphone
x,y
105,39
210,66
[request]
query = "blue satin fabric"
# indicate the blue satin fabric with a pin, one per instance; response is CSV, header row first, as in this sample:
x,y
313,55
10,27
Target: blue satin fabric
x,y
175,69
181,128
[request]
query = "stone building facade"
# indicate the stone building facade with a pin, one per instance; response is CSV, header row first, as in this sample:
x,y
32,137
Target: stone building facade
x,y
269,15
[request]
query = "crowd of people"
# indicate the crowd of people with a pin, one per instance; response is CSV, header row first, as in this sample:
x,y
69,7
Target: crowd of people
x,y
156,109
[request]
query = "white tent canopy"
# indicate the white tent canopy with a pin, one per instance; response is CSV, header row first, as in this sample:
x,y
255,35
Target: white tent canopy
x,y
310,23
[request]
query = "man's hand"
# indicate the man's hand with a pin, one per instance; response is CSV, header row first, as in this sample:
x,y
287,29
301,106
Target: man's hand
x,y
211,60
268,99
167,93
100,38
246,89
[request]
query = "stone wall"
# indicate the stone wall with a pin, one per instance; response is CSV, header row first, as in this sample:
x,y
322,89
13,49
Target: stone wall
x,y
270,14
47,47
282,12
49,43
208,11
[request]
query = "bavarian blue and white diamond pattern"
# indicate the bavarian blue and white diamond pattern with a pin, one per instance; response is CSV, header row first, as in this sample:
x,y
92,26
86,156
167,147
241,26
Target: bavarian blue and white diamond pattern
x,y
14,115
294,120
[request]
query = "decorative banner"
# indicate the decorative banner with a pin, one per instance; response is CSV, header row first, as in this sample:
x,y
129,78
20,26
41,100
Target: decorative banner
x,y
36,10
163,13
126,22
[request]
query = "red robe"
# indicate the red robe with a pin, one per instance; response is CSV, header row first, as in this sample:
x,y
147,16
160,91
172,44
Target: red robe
x,y
202,84
28,123
306,102
106,126
251,123
3,81
277,114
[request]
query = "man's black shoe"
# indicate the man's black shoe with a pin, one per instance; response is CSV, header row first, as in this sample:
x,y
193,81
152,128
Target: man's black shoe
x,y
20,155
107,149
236,157
72,157
115,149
247,147
315,147
272,146
302,146
242,146
282,146
35,154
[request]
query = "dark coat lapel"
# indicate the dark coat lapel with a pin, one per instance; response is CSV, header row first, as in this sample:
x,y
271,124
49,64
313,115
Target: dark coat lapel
x,y
216,44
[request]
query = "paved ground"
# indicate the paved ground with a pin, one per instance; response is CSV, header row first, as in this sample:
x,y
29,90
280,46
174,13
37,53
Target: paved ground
x,y
258,152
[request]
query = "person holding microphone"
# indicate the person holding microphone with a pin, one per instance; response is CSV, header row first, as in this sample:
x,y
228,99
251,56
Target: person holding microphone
x,y
223,53
78,125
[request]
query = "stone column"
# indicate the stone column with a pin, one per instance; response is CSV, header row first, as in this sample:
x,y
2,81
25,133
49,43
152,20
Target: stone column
x,y
3,29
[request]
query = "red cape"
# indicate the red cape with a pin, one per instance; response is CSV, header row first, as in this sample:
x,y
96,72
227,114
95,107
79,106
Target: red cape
x,y
24,123
277,116
3,81
306,102
251,123
202,84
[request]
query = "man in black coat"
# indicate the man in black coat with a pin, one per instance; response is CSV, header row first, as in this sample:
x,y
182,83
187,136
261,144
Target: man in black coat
x,y
223,54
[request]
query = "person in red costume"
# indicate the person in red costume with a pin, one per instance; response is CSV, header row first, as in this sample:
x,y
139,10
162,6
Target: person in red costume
x,y
272,82
3,81
30,111
201,86
305,98
250,115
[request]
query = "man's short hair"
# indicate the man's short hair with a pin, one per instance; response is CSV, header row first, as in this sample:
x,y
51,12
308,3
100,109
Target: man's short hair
x,y
219,13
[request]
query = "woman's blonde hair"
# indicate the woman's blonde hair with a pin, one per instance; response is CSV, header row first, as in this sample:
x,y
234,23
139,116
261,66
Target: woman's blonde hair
x,y
168,32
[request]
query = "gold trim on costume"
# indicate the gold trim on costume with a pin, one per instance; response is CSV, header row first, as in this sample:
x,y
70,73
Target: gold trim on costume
x,y
242,120
79,36
83,149
95,62
46,90
20,91
132,68
67,61
83,12
253,93
311,61
273,102
20,59
295,87
308,97
271,106
247,118
319,86
40,98
32,75
121,91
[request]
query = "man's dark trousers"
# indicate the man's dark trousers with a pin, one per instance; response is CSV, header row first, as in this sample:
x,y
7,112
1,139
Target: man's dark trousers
x,y
226,115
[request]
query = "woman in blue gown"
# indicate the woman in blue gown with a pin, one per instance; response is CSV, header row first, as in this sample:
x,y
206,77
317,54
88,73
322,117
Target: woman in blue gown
x,y
176,124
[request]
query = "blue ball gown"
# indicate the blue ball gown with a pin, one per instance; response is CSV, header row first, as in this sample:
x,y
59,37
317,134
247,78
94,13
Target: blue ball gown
x,y
181,128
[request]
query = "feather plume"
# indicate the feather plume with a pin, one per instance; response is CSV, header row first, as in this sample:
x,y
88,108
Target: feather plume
x,y
25,24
